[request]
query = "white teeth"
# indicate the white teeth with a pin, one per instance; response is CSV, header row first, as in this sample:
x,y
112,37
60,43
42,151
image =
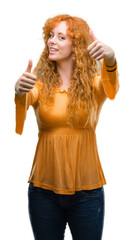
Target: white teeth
x,y
53,50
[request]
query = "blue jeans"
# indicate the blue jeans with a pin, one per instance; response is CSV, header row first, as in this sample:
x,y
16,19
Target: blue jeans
x,y
50,212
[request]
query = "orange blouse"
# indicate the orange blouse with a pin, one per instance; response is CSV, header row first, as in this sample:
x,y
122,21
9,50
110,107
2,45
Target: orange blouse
x,y
66,160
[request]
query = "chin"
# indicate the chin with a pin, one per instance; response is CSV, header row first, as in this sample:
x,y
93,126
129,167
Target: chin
x,y
52,58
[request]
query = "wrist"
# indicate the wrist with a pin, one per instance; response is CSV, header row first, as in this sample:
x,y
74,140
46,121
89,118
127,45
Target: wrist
x,y
18,92
110,61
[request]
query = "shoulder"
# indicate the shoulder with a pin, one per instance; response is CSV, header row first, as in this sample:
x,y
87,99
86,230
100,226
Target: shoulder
x,y
97,81
34,92
38,85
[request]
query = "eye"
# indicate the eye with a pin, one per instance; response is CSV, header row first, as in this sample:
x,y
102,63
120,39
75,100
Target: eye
x,y
51,35
62,37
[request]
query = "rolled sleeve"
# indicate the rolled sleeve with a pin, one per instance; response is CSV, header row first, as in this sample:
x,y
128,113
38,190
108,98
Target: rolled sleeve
x,y
109,79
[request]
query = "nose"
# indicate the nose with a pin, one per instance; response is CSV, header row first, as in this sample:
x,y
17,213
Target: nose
x,y
52,40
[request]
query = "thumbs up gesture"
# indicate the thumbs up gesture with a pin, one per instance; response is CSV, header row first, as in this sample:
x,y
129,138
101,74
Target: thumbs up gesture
x,y
99,50
26,82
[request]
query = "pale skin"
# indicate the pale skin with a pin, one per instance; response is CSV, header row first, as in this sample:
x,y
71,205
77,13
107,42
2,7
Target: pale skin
x,y
26,82
99,50
96,49
64,56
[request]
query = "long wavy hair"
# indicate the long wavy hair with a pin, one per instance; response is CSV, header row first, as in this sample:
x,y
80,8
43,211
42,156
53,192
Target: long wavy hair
x,y
81,93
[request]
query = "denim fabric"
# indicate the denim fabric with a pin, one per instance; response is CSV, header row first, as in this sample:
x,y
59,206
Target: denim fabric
x,y
50,212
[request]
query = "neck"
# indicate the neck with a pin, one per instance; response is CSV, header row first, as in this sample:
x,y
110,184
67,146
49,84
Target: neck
x,y
65,70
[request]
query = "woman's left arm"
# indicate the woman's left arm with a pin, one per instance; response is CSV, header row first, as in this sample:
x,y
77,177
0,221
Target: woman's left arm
x,y
107,83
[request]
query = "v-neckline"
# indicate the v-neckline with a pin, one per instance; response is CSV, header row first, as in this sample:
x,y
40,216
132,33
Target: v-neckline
x,y
61,90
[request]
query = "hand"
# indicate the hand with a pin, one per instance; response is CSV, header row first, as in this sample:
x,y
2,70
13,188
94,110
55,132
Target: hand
x,y
99,50
26,82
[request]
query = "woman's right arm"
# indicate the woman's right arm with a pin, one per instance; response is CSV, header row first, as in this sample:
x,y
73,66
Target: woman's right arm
x,y
26,94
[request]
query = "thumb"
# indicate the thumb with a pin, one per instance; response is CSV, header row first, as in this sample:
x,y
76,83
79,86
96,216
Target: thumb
x,y
91,34
29,67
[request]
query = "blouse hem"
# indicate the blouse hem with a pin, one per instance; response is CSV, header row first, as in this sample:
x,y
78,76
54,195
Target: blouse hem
x,y
67,191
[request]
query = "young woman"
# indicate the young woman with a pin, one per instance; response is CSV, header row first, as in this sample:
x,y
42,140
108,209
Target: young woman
x,y
67,93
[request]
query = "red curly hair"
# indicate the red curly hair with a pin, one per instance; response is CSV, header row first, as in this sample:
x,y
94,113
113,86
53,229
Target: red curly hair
x,y
81,92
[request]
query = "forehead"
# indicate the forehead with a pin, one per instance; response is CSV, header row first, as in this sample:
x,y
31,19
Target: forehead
x,y
60,27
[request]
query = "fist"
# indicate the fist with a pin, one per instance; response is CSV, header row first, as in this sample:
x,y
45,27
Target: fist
x,y
27,80
99,50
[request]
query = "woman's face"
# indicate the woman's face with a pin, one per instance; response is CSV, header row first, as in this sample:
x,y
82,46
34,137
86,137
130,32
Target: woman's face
x,y
59,44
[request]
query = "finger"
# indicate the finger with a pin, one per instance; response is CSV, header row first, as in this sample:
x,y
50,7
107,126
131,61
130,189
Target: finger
x,y
92,45
91,34
29,75
26,85
97,54
100,57
23,89
95,49
29,67
27,80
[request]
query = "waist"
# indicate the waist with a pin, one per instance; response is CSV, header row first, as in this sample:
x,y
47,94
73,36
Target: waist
x,y
64,130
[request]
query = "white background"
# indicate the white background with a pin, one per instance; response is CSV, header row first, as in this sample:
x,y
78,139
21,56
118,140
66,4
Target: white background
x,y
21,25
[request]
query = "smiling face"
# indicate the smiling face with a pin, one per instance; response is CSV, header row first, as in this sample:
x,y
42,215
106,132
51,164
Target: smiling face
x,y
59,43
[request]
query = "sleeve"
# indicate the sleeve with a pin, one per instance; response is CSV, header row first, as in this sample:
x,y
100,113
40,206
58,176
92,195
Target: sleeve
x,y
107,84
22,104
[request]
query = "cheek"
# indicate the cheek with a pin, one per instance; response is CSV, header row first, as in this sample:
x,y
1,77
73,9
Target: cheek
x,y
48,42
70,49
67,48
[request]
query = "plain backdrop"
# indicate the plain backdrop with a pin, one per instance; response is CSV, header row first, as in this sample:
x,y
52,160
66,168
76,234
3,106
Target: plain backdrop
x,y
21,25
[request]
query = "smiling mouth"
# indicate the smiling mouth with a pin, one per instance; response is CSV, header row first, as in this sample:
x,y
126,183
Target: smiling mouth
x,y
52,52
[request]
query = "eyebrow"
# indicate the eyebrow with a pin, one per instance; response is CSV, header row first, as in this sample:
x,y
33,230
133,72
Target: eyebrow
x,y
59,32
